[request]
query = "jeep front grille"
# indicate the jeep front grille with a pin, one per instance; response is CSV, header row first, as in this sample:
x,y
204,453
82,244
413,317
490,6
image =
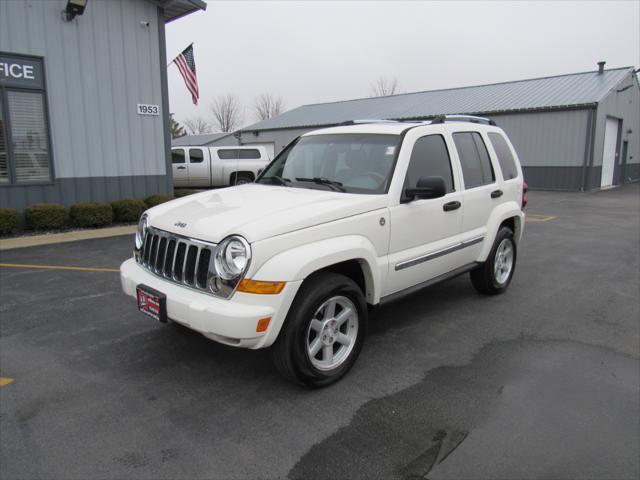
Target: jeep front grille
x,y
180,259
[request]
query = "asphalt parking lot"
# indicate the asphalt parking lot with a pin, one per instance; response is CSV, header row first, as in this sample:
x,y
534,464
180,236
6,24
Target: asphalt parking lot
x,y
542,382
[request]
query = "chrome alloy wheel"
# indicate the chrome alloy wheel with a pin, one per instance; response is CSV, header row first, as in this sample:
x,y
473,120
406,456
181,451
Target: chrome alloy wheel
x,y
503,261
332,333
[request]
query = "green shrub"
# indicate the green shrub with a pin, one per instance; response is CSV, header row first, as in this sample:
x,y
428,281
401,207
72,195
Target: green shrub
x,y
154,200
45,216
128,210
91,214
9,218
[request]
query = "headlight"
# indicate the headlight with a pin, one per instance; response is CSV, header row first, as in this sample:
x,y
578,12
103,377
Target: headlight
x,y
141,231
232,257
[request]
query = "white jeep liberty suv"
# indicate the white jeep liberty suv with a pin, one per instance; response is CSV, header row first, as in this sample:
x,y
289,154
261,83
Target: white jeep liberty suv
x,y
344,218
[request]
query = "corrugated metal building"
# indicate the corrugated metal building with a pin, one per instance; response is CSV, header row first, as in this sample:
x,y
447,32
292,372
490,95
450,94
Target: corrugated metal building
x,y
206,140
84,110
565,128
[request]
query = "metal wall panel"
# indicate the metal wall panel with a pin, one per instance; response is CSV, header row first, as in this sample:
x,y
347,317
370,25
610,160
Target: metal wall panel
x,y
68,191
98,67
547,139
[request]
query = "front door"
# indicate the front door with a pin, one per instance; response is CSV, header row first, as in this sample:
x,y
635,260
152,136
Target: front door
x,y
424,233
610,153
180,170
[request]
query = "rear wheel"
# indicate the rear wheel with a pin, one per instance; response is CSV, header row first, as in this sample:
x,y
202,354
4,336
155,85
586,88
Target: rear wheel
x,y
494,275
324,331
243,178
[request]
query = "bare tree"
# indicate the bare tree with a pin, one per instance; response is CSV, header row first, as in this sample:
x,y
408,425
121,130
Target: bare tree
x,y
267,105
197,126
177,130
227,112
384,86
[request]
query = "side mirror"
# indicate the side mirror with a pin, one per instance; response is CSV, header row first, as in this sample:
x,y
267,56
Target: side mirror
x,y
427,187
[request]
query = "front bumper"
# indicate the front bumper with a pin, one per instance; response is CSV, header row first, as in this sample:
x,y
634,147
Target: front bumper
x,y
232,321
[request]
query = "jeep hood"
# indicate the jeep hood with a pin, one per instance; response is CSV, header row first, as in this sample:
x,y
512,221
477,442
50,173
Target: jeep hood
x,y
257,211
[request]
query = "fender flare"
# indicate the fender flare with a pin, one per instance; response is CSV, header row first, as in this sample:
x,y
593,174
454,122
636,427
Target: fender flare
x,y
300,262
499,215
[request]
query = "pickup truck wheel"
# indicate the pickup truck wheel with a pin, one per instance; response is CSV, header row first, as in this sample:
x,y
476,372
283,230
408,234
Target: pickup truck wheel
x,y
495,274
324,331
243,178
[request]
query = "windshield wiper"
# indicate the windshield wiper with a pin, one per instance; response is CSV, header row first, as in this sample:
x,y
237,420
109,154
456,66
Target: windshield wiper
x,y
337,186
282,181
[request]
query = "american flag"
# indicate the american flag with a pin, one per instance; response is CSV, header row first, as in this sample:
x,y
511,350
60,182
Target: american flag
x,y
187,66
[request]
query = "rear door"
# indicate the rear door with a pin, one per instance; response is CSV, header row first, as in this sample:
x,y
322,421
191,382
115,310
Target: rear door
x,y
425,233
198,167
481,189
180,167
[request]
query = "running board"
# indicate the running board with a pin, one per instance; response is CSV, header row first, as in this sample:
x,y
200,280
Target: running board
x,y
440,278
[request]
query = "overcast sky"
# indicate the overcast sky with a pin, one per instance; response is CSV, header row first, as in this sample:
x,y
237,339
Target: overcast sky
x,y
311,52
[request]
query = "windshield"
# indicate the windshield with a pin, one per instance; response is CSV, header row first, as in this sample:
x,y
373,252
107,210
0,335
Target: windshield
x,y
352,163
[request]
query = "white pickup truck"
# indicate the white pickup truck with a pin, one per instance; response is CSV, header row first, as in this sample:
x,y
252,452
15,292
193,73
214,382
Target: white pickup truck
x,y
343,219
204,167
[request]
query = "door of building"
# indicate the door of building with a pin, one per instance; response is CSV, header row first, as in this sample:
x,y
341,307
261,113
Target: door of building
x,y
610,153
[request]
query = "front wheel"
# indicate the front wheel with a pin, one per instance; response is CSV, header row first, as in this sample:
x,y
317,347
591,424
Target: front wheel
x,y
494,275
324,331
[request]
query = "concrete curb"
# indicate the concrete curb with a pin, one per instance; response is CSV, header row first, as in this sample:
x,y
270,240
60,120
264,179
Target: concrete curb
x,y
36,240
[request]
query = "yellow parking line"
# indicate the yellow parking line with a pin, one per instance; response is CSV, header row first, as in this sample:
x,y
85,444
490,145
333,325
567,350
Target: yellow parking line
x,y
533,217
5,381
58,267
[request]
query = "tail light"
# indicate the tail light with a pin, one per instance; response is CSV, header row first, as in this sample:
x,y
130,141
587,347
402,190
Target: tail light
x,y
525,189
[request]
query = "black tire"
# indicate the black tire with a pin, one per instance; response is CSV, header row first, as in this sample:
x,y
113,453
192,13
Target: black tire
x,y
289,352
243,178
484,278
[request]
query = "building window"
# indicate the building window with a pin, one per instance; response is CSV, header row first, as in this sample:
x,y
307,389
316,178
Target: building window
x,y
25,147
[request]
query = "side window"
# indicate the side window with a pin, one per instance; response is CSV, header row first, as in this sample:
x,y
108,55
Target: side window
x,y
474,159
177,155
430,158
249,153
196,155
228,154
505,157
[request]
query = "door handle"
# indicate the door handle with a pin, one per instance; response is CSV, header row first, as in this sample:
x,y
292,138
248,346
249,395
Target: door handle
x,y
182,168
496,194
447,207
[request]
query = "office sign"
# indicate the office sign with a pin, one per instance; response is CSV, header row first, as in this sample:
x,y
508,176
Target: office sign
x,y
20,71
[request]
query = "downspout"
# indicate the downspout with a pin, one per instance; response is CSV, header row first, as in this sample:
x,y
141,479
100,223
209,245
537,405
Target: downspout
x,y
588,149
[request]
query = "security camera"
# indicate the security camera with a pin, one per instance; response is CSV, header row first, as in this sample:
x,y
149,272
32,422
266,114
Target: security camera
x,y
144,24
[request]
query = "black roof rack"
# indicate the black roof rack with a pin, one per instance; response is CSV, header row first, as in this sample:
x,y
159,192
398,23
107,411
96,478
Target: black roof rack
x,y
462,118
365,121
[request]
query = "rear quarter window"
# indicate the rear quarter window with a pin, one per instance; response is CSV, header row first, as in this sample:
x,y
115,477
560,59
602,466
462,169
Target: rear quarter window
x,y
505,156
228,154
251,153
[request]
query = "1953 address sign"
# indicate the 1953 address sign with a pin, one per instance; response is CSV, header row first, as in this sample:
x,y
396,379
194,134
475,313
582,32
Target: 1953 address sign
x,y
145,109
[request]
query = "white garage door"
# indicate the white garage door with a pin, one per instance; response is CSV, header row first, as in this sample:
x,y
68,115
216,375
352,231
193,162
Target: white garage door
x,y
609,153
